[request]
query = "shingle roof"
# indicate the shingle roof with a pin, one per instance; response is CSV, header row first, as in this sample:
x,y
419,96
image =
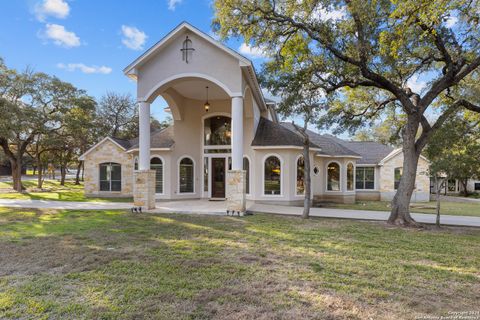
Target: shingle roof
x,y
372,152
270,133
162,138
124,143
328,146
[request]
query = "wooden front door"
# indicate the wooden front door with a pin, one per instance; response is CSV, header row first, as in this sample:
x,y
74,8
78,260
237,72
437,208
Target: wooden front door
x,y
218,177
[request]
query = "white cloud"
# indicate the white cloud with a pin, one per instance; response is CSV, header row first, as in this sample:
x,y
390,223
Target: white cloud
x,y
133,38
322,14
252,52
55,8
451,21
415,84
61,36
84,68
172,4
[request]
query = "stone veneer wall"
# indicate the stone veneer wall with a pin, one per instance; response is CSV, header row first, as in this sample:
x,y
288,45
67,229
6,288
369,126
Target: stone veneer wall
x,y
108,152
387,179
144,191
235,191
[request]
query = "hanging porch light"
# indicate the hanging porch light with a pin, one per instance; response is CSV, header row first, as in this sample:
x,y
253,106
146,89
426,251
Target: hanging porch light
x,y
206,105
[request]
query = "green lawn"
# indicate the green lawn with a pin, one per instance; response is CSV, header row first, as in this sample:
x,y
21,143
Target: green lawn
x,y
451,208
114,264
52,190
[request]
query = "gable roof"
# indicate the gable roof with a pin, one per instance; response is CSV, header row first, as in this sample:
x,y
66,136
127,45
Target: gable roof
x,y
328,146
118,142
166,40
130,70
272,134
159,139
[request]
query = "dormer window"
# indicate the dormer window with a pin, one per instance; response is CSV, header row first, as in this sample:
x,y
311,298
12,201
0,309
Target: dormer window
x,y
187,50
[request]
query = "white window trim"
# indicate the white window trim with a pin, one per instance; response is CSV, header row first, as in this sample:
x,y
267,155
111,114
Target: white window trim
x,y
340,174
281,176
249,174
296,176
374,178
178,174
163,172
354,177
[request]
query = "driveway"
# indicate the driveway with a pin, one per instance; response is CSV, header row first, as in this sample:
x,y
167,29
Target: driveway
x,y
219,208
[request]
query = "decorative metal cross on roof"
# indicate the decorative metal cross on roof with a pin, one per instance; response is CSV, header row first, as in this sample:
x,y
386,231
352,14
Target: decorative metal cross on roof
x,y
187,49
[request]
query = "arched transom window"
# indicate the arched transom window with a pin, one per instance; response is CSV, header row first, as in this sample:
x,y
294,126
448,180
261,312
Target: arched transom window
x,y
333,176
186,176
272,176
157,165
217,131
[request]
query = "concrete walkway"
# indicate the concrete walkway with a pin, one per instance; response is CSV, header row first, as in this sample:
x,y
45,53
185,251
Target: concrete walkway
x,y
457,199
219,208
67,205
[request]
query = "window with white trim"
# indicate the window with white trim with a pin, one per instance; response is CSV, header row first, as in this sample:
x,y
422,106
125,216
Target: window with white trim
x,y
157,165
300,183
186,177
365,178
246,167
397,176
110,176
272,176
350,176
333,176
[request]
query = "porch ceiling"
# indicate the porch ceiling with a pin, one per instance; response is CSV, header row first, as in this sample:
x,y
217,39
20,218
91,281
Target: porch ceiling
x,y
196,89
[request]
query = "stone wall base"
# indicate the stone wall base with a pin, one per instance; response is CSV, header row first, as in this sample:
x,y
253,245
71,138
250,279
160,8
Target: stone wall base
x,y
235,191
144,189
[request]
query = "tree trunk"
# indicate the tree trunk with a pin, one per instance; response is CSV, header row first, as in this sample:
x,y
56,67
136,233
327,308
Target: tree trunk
x,y
437,191
34,170
83,171
77,176
400,213
40,176
306,174
464,183
16,174
63,172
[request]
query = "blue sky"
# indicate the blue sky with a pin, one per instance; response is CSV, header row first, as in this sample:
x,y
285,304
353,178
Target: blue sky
x,y
88,43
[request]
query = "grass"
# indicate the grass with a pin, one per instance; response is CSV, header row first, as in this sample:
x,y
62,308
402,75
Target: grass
x,y
450,208
114,264
52,190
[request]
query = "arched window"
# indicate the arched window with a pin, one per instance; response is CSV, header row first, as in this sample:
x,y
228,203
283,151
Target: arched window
x,y
272,176
300,189
246,167
186,175
350,177
157,165
333,176
217,131
110,176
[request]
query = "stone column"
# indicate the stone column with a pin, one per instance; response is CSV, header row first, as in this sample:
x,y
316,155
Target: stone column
x,y
144,188
236,178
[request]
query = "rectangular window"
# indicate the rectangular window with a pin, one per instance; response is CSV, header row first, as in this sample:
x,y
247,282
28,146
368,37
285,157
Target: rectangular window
x,y
452,185
397,175
477,186
365,178
205,174
110,177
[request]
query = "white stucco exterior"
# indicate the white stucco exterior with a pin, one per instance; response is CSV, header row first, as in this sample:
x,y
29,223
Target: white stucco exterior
x,y
234,94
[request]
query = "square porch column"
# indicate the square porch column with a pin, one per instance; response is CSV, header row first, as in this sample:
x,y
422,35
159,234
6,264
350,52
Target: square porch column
x,y
144,187
236,178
